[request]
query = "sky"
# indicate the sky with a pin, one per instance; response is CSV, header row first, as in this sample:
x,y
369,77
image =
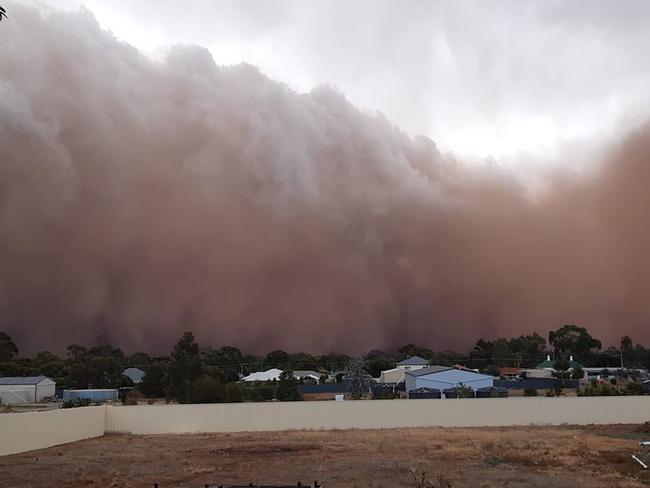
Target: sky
x,y
531,84
361,182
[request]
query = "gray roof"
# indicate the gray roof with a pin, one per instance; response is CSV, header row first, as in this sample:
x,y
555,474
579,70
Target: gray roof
x,y
23,380
134,374
413,361
303,372
429,370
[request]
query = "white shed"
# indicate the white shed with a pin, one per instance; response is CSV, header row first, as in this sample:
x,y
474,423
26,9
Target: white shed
x,y
445,377
15,390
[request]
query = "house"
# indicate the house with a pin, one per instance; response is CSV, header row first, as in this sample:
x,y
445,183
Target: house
x,y
274,374
446,377
134,374
15,390
268,375
510,373
549,364
396,375
307,376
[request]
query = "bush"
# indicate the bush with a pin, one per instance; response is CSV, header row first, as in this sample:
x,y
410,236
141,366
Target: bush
x,y
634,388
530,392
261,393
233,393
81,402
604,389
205,389
133,397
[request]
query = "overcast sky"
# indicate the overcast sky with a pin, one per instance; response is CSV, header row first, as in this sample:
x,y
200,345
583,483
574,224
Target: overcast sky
x,y
496,78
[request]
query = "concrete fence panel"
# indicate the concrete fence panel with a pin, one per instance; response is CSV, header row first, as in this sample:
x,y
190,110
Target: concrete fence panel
x,y
20,432
376,414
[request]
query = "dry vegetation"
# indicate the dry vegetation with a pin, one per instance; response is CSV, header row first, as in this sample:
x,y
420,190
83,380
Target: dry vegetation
x,y
439,458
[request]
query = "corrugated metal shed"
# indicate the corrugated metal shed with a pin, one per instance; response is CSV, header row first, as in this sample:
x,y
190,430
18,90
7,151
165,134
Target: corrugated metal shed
x,y
23,380
97,395
445,377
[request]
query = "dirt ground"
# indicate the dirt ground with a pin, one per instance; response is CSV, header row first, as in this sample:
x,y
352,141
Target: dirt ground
x,y
487,457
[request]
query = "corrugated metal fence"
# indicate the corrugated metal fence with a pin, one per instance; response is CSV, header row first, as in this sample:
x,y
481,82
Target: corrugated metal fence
x,y
20,432
28,431
377,414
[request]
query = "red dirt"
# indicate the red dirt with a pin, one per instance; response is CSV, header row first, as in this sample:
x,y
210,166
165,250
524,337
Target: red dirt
x,y
495,457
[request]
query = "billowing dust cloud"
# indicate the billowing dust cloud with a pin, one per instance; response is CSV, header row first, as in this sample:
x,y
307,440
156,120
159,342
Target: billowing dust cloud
x,y
142,198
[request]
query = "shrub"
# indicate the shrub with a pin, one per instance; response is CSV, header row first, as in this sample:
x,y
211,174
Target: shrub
x,y
233,393
133,397
205,389
530,392
81,402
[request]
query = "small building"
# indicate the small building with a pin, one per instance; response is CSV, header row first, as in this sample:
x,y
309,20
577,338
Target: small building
x,y
307,376
97,395
536,373
396,375
509,373
268,375
15,390
549,364
446,377
134,374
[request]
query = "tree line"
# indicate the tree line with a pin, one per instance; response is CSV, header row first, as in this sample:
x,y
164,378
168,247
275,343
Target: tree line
x,y
191,373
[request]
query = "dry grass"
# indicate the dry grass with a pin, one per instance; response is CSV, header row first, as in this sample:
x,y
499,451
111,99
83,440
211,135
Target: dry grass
x,y
428,458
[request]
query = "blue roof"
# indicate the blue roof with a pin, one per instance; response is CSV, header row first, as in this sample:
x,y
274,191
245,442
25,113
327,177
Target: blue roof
x,y
23,380
413,361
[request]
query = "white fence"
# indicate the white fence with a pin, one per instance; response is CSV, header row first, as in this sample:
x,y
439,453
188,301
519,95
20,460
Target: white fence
x,y
20,432
376,414
28,431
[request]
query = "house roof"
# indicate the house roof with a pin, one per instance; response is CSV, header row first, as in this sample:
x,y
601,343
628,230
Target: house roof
x,y
550,364
134,374
270,374
23,380
303,373
429,370
413,361
507,370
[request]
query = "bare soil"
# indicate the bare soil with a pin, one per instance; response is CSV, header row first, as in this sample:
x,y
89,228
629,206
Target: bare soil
x,y
487,457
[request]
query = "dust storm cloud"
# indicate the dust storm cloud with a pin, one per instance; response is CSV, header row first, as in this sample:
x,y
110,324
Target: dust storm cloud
x,y
140,198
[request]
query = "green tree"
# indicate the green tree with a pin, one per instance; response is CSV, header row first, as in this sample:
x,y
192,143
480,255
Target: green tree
x,y
8,348
578,373
154,380
561,370
409,350
359,379
233,393
205,389
184,367
573,340
287,390
277,359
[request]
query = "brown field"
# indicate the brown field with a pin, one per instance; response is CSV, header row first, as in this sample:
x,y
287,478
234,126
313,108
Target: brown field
x,y
489,457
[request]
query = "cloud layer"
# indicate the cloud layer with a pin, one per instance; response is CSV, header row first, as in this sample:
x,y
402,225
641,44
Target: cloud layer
x,y
141,198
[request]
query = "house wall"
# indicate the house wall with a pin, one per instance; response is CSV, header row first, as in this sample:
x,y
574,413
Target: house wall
x,y
20,432
17,394
448,379
392,376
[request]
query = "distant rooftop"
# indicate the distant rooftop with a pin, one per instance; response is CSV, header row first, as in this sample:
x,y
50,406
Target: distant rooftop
x,y
134,374
429,370
23,380
413,361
